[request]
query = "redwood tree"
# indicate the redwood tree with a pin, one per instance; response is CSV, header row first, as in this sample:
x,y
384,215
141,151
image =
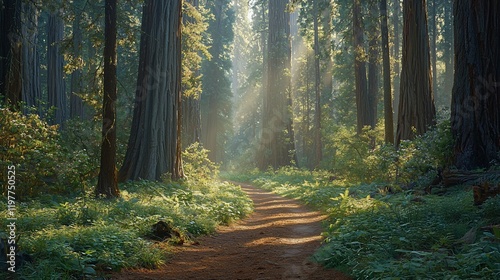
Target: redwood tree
x,y
11,52
55,68
107,184
475,115
416,104
388,115
277,140
154,143
363,102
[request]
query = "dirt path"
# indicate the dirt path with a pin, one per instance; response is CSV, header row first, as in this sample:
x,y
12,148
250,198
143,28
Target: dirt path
x,y
275,242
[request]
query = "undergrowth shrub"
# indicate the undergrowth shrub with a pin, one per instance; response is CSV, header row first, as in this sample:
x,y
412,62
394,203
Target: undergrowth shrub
x,y
384,235
31,145
363,158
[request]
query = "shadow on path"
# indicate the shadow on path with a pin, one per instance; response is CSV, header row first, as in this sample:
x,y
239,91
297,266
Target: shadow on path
x,y
274,242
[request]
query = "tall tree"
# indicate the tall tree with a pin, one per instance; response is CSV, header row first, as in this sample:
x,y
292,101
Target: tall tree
x,y
373,62
416,104
107,181
154,143
194,25
475,118
216,97
76,105
11,52
19,59
55,67
317,90
363,100
30,57
396,11
388,115
433,49
277,139
447,49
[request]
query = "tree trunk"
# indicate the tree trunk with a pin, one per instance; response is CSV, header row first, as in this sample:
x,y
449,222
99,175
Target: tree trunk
x,y
388,115
433,28
395,49
416,105
11,52
317,82
363,104
77,108
31,91
475,115
191,117
373,63
153,144
107,182
216,97
277,142
55,72
448,51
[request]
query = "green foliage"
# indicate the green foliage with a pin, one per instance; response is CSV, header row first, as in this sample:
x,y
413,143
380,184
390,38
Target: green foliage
x,y
31,145
375,234
196,162
84,237
46,160
357,158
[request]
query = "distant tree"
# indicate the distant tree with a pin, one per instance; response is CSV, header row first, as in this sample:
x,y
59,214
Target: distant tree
x,y
373,61
19,58
277,139
56,86
107,181
193,48
475,115
388,114
216,107
154,146
447,51
416,104
396,21
433,47
318,154
11,52
76,104
363,101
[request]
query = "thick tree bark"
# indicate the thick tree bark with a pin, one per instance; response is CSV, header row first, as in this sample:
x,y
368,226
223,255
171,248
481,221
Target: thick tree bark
x,y
416,105
475,115
388,115
107,182
55,72
277,140
363,104
153,147
317,83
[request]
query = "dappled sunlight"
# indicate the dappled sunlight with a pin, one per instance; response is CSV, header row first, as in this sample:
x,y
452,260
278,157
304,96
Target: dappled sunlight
x,y
286,241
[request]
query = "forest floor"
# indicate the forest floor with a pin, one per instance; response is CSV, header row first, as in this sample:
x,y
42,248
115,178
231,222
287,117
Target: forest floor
x,y
275,242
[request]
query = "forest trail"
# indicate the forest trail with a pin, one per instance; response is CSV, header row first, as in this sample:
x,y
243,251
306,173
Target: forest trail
x,y
275,242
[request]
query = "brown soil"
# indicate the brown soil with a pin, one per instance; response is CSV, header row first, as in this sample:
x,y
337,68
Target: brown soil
x,y
275,242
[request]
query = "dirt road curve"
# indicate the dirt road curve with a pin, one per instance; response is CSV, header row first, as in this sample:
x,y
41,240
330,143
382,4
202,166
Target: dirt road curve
x,y
275,242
